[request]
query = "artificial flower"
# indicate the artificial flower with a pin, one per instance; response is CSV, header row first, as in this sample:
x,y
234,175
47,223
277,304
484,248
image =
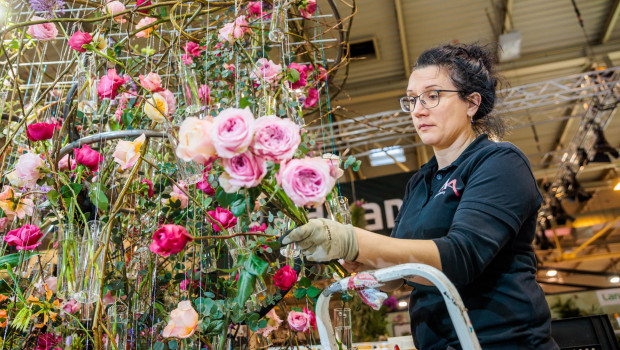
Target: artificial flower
x,y
182,322
232,131
88,157
266,71
169,239
275,138
306,181
24,238
145,22
78,40
223,216
195,142
42,31
40,131
114,7
285,278
156,108
127,153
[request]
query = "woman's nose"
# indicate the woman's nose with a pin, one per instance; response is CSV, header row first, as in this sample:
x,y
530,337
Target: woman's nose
x,y
418,110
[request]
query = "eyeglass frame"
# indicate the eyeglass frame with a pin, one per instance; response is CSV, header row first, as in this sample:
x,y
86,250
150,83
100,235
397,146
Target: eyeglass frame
x,y
418,98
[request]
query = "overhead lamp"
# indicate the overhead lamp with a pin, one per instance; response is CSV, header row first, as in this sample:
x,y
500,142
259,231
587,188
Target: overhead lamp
x,y
402,304
602,149
552,273
510,46
617,187
614,279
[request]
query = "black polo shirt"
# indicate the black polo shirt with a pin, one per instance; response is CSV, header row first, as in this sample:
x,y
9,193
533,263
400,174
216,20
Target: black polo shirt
x,y
481,212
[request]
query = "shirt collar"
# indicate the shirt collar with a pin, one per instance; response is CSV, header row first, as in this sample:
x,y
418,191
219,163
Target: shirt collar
x,y
478,143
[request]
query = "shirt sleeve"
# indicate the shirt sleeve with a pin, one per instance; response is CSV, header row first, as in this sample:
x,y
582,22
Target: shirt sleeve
x,y
500,194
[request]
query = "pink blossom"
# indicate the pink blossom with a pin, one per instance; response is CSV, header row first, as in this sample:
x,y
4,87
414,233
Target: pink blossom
x,y
299,321
234,30
24,238
195,140
145,22
309,9
88,157
285,278
71,306
182,322
127,153
223,216
257,228
312,317
266,71
40,131
275,138
142,3
187,59
203,94
312,99
28,169
169,239
150,191
114,7
109,84
302,69
243,170
78,40
306,181
151,82
193,49
205,187
42,31
171,101
232,131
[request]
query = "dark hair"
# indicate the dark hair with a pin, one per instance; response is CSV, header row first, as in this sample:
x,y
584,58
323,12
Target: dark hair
x,y
470,67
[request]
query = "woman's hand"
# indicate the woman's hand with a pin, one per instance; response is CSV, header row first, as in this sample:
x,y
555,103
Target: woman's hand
x,y
354,266
324,240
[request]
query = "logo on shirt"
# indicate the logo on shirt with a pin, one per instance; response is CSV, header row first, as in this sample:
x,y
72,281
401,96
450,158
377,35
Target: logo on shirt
x,y
448,184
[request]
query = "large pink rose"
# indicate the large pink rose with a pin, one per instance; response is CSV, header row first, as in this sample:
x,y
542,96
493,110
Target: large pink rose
x,y
145,22
234,30
306,181
244,170
302,69
114,7
79,39
223,216
285,278
151,82
40,131
299,321
28,168
266,71
24,238
195,143
275,138
43,31
312,99
232,131
109,84
182,322
169,239
88,157
194,49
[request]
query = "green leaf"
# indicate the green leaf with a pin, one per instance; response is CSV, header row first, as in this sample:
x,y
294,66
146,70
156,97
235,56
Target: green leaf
x,y
293,75
52,196
158,346
313,292
98,197
238,207
246,285
65,191
13,259
255,265
173,344
299,293
262,323
225,199
356,165
304,282
270,219
127,117
244,102
204,305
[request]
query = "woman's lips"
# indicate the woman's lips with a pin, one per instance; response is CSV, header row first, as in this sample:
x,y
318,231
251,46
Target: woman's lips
x,y
424,127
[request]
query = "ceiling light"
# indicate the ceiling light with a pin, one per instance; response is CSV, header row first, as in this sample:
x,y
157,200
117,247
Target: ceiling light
x,y
614,279
552,273
617,187
386,155
402,303
510,46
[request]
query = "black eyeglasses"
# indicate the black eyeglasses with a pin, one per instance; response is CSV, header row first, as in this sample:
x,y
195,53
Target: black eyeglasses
x,y
429,99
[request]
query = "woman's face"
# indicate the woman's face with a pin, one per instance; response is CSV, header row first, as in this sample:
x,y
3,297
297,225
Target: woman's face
x,y
446,123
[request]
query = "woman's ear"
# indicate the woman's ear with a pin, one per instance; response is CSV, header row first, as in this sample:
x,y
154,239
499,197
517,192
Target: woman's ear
x,y
474,100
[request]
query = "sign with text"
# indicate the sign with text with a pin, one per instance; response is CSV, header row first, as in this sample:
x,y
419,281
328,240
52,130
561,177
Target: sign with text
x,y
608,296
383,197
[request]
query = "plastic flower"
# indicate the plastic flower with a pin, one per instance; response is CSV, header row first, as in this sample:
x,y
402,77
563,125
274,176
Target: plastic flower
x,y
42,31
24,238
13,204
144,22
182,322
128,152
156,108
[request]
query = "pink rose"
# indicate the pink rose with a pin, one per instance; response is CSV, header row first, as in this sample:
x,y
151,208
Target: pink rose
x,y
205,187
63,163
43,31
266,71
223,216
178,195
299,321
24,238
255,8
285,278
312,99
4,222
195,143
275,138
171,101
28,168
194,49
309,10
127,153
109,84
182,322
151,82
88,157
322,74
71,306
145,22
40,131
79,39
169,239
232,131
150,191
306,181
47,341
142,3
244,170
312,317
234,30
303,75
261,228
187,59
114,7
203,94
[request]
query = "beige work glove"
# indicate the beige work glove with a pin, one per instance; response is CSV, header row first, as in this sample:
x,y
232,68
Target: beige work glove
x,y
324,240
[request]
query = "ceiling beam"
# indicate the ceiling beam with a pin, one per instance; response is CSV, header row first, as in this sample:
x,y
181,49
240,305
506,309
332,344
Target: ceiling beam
x,y
610,22
398,4
507,25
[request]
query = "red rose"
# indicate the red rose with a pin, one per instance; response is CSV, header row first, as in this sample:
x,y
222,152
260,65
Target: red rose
x,y
24,238
169,239
150,184
88,157
285,278
40,131
224,217
79,39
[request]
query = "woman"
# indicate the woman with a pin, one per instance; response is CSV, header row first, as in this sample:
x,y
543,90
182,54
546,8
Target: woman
x,y
470,212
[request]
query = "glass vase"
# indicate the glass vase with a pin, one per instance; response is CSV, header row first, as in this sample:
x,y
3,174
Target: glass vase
x,y
118,319
338,210
278,25
89,270
87,96
342,327
67,268
190,88
141,272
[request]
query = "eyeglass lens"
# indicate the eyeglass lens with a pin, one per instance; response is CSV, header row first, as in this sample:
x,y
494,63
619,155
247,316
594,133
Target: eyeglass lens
x,y
429,99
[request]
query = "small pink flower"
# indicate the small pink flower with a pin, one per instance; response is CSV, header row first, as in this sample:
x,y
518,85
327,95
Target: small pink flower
x,y
203,94
299,321
114,7
273,323
71,306
142,3
306,181
195,142
205,187
312,317
285,278
144,22
302,69
234,30
232,131
169,239
261,228
109,84
266,71
43,31
88,157
309,9
150,191
171,101
224,217
151,82
24,238
40,131
187,59
255,8
182,322
178,195
243,170
78,40
275,138
312,99
193,49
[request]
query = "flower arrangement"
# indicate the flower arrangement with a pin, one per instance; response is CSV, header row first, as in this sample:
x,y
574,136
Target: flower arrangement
x,y
158,177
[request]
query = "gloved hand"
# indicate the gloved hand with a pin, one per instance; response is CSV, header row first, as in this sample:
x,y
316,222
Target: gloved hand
x,y
324,240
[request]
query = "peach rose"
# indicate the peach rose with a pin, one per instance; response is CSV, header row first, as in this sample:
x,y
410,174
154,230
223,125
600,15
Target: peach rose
x,y
146,21
156,108
28,168
128,152
114,7
151,82
195,142
182,322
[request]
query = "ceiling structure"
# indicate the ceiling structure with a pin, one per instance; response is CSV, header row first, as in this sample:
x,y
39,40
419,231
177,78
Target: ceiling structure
x,y
563,85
